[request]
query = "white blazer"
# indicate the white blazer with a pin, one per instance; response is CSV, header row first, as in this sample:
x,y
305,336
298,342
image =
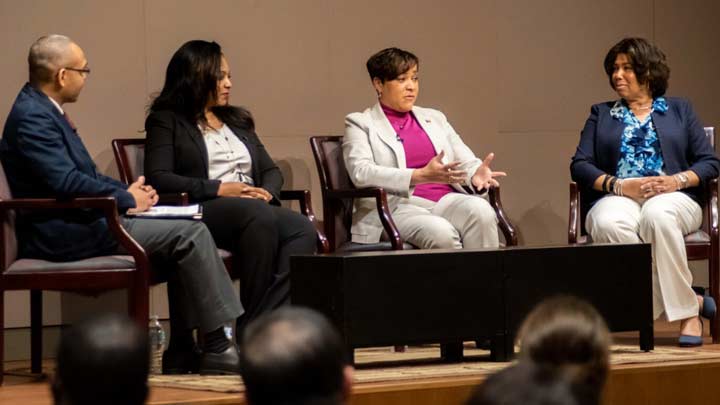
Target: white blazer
x,y
375,157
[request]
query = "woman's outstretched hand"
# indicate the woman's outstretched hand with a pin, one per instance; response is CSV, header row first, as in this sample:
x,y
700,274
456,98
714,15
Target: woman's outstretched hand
x,y
484,176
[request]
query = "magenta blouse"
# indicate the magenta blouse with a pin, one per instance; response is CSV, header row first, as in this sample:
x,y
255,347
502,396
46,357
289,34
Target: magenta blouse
x,y
418,150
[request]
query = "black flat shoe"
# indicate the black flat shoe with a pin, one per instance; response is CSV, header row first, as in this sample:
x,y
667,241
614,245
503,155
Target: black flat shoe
x,y
224,363
181,362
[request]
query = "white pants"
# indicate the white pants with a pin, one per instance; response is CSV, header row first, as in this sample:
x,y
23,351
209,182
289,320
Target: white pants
x,y
456,221
662,221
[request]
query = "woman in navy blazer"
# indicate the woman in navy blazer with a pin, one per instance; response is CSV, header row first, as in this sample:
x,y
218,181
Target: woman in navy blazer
x,y
642,164
198,143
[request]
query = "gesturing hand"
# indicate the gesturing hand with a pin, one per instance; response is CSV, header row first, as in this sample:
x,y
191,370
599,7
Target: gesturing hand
x,y
435,171
484,176
145,196
242,190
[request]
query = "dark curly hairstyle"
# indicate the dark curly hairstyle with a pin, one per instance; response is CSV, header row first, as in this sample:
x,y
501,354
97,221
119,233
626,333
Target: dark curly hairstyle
x,y
390,63
648,63
191,81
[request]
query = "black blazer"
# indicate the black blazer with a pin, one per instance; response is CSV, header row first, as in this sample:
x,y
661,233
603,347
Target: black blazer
x,y
176,159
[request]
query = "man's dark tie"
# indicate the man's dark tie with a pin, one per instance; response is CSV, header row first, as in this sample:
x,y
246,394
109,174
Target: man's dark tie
x,y
72,124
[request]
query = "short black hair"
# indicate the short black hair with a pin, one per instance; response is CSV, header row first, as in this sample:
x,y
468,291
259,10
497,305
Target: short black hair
x,y
390,63
293,355
648,62
102,360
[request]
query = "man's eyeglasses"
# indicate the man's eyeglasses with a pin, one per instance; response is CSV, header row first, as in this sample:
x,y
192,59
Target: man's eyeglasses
x,y
83,71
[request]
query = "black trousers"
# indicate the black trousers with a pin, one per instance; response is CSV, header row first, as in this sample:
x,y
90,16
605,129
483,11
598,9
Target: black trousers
x,y
200,293
262,237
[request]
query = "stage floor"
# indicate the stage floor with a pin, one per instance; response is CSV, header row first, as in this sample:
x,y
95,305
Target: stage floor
x,y
417,377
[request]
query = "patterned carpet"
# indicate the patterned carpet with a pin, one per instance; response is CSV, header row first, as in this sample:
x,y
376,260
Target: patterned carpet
x,y
383,365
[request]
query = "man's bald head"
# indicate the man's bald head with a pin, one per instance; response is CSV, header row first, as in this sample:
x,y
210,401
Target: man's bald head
x,y
47,55
294,356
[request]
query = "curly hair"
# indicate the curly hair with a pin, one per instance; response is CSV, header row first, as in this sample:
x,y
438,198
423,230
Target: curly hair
x,y
648,62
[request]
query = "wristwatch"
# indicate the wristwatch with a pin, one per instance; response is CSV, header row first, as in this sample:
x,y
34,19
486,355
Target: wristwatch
x,y
683,179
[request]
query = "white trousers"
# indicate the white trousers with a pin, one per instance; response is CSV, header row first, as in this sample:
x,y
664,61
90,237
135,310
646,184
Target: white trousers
x,y
662,221
456,221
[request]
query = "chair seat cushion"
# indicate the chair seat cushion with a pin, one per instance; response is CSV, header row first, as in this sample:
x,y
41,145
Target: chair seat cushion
x,y
93,263
698,236
369,247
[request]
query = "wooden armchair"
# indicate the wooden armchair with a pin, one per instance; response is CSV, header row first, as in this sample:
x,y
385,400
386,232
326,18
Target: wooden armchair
x,y
703,244
338,193
91,276
130,155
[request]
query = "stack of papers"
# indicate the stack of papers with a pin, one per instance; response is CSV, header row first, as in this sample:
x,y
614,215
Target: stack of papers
x,y
171,211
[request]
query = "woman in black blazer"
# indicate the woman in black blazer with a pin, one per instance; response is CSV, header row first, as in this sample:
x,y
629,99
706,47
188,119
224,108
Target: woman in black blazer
x,y
199,144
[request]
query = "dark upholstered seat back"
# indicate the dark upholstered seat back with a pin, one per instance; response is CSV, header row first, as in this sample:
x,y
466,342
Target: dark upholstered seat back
x,y
327,151
7,236
130,157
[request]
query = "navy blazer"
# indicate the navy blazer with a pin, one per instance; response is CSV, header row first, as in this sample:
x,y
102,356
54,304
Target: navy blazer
x,y
176,158
682,140
44,157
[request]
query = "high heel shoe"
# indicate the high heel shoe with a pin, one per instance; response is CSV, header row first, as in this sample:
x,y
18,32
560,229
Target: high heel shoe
x,y
692,341
709,307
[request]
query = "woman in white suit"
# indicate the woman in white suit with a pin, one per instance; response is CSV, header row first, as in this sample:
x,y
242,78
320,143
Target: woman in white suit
x,y
435,182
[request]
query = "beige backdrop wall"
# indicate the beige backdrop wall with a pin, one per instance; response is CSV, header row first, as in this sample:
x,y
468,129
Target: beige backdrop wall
x,y
515,77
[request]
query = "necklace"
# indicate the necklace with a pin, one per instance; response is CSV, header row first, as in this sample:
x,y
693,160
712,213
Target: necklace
x,y
214,135
645,107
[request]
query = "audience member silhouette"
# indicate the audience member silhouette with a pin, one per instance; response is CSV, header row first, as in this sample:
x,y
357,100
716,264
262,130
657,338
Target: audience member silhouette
x,y
102,360
294,356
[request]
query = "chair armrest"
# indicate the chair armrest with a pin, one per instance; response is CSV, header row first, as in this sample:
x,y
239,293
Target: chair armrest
x,y
107,205
303,197
574,225
174,199
380,197
712,209
504,223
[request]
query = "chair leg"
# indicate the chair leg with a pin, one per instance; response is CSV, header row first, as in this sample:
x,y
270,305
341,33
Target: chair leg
x,y
139,305
714,270
36,331
2,335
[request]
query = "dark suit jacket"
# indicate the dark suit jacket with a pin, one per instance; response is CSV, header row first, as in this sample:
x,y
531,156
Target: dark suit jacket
x,y
682,141
44,157
176,159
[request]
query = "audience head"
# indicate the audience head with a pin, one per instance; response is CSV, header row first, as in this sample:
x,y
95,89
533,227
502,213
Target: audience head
x,y
198,79
647,61
568,334
58,66
294,356
102,360
394,75
525,384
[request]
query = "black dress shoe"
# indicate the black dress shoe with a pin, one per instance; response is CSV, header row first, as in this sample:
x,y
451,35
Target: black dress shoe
x,y
181,362
223,363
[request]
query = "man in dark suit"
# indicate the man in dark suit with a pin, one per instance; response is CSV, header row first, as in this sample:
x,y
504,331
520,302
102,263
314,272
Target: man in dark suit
x,y
294,356
44,157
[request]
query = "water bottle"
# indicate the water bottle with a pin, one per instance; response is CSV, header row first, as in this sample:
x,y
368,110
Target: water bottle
x,y
157,345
